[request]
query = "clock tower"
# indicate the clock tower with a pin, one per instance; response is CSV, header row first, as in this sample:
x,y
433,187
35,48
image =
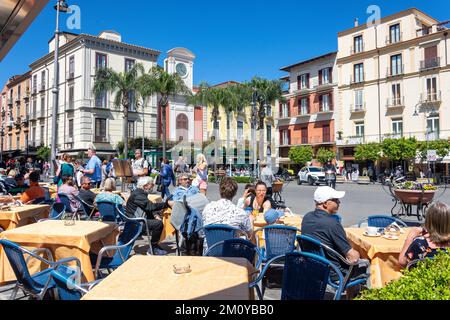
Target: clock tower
x,y
181,61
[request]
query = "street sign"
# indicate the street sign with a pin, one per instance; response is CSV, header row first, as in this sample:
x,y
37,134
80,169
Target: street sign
x,y
431,155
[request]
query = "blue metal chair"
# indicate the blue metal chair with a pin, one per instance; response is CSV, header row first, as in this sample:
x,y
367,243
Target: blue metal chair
x,y
37,284
236,248
108,211
381,221
278,240
305,277
56,212
122,250
314,246
140,217
88,210
215,233
66,287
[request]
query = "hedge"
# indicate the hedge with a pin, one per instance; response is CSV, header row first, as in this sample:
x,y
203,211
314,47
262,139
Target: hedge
x,y
212,179
429,280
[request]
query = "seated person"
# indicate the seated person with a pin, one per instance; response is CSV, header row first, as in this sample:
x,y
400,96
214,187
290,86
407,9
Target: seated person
x,y
184,188
10,180
69,189
20,185
85,192
34,191
224,211
139,199
259,202
323,226
249,191
425,242
108,195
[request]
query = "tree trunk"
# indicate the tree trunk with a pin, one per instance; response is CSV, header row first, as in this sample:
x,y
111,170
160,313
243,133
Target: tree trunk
x,y
163,126
125,131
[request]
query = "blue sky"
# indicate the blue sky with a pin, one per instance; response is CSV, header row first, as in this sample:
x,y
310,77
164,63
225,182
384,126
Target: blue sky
x,y
233,40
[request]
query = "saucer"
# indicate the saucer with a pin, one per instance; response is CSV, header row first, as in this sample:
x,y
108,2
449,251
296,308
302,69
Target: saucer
x,y
389,237
372,235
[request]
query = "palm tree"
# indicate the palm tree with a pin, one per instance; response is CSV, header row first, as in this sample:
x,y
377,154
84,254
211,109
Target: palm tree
x,y
267,92
165,85
124,84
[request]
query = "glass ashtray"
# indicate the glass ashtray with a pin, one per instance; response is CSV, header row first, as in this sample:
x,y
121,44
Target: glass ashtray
x,y
69,222
181,268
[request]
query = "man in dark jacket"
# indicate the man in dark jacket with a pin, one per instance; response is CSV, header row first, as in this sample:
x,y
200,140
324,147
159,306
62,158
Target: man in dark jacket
x,y
167,178
139,202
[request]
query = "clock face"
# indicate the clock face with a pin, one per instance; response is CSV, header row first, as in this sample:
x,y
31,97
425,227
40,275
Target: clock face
x,y
181,69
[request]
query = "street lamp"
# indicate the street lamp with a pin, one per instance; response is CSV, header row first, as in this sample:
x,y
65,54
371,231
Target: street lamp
x,y
254,118
61,6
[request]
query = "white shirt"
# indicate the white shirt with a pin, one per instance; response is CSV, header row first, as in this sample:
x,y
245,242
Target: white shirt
x,y
226,212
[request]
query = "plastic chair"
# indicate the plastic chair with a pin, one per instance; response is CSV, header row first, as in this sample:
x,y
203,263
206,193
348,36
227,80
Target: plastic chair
x,y
305,277
381,221
36,284
314,246
215,233
236,248
122,250
278,240
67,288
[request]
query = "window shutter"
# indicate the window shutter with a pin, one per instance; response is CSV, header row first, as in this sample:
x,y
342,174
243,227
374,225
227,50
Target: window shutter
x,y
289,137
298,82
307,80
281,137
320,77
330,76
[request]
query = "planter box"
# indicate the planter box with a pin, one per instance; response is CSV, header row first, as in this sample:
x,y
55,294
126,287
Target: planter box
x,y
415,196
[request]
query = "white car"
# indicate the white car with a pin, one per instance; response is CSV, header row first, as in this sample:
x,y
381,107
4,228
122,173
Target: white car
x,y
311,175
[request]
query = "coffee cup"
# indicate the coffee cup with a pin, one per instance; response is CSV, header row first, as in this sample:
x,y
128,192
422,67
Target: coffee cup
x,y
372,231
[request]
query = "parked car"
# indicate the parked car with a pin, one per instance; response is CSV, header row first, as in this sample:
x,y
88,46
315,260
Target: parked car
x,y
311,175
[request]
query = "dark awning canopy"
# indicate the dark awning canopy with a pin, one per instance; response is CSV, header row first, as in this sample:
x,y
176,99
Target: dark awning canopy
x,y
15,17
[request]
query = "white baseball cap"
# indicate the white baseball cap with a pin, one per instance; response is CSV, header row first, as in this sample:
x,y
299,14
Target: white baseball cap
x,y
323,194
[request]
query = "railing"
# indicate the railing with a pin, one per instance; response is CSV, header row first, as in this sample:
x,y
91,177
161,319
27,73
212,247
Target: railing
x,y
10,101
358,108
70,105
392,40
358,49
430,97
326,108
301,87
355,80
69,139
430,63
396,102
70,75
396,71
424,31
41,114
42,87
419,135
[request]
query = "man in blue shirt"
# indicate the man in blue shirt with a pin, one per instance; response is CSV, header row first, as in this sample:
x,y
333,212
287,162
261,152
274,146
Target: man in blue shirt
x,y
93,168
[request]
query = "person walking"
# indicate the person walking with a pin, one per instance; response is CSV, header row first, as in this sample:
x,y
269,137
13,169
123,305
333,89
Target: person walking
x,y
267,177
139,165
93,168
65,169
201,171
167,178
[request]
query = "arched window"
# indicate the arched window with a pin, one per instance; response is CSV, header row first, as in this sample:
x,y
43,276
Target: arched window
x,y
182,126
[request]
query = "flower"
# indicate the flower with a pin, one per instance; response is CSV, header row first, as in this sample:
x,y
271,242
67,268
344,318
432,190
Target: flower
x,y
412,185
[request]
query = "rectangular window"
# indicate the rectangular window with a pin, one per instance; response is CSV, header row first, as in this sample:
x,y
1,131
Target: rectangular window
x,y
101,60
18,92
285,137
33,134
132,99
433,128
396,94
304,134
71,67
325,78
42,106
35,83
100,100
394,33
42,134
397,127
304,108
359,99
359,126
358,45
43,80
71,97
358,73
34,108
240,130
396,65
326,136
10,143
285,110
131,131
129,63
70,134
269,133
17,142
100,130
325,104
431,89
303,81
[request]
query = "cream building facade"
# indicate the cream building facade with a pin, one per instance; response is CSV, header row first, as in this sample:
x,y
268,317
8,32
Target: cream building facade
x,y
393,81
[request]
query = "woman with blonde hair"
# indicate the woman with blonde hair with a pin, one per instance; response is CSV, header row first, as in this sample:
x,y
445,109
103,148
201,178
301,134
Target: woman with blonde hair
x,y
108,195
201,171
424,242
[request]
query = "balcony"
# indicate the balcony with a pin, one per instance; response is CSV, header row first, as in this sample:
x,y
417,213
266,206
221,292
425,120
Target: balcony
x,y
430,98
18,123
430,63
101,139
25,120
17,99
324,85
70,75
357,80
10,101
302,90
41,114
392,40
358,108
70,105
424,31
355,140
395,72
395,103
69,140
301,112
325,109
397,135
358,49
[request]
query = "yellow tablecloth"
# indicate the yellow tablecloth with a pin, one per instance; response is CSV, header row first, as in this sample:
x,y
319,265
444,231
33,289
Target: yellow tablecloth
x,y
294,221
21,216
63,241
382,253
168,228
152,278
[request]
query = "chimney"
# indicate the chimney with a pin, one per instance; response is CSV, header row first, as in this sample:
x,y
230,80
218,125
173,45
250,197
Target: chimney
x,y
356,22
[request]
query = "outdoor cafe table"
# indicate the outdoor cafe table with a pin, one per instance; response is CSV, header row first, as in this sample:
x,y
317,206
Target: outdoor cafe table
x,y
382,253
63,241
153,278
21,216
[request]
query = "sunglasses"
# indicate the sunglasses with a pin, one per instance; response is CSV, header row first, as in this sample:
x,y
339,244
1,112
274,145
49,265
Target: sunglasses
x,y
335,200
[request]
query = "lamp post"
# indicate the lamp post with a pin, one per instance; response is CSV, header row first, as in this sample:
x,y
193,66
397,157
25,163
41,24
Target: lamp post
x,y
254,118
61,6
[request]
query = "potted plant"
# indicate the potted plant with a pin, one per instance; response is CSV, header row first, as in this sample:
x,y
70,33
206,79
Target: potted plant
x,y
411,192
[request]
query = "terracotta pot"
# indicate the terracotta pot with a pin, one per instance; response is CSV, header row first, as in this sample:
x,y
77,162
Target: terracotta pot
x,y
415,196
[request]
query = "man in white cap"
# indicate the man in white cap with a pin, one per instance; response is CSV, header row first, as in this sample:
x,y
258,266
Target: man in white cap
x,y
323,225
